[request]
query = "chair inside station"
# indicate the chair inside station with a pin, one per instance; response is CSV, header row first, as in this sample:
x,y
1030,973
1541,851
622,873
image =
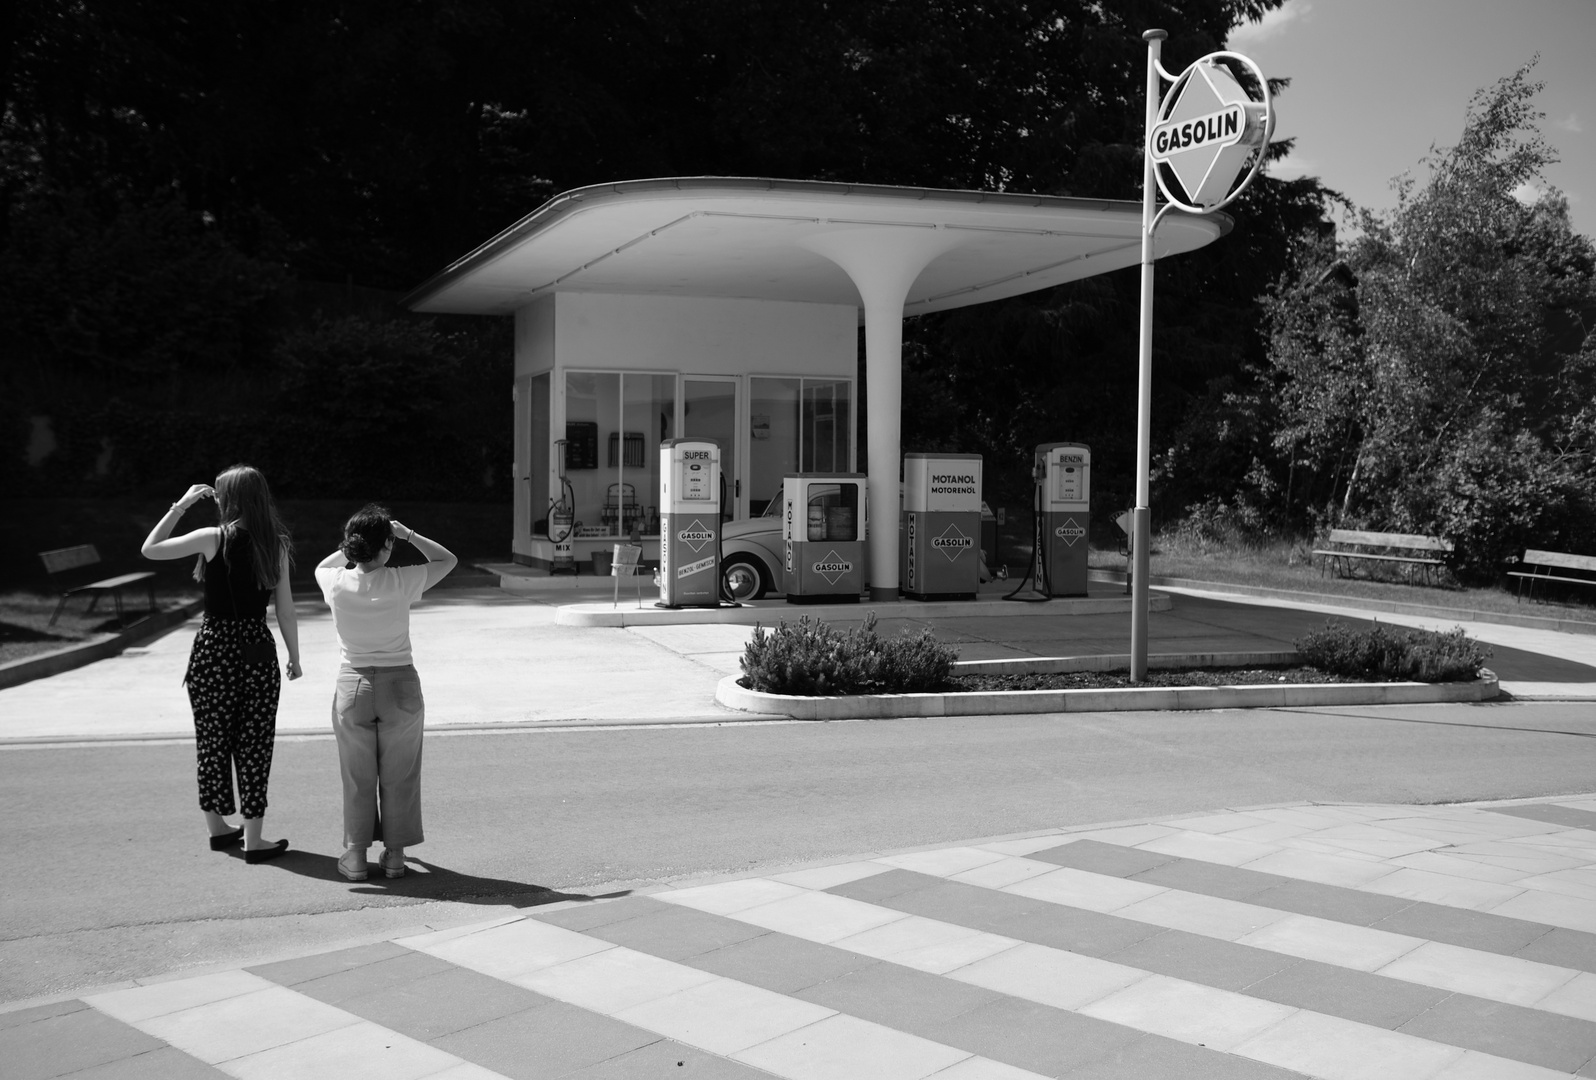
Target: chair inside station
x,y
621,508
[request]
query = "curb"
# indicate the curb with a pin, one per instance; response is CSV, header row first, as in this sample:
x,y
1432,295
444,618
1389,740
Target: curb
x,y
1119,699
75,656
767,612
1396,607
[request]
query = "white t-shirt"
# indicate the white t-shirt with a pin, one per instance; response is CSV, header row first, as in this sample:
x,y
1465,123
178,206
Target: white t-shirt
x,y
371,612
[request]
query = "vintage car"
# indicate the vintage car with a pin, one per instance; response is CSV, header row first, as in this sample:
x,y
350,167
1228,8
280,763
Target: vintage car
x,y
751,554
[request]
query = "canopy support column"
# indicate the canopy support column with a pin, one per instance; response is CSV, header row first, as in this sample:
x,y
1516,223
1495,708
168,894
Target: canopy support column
x,y
883,264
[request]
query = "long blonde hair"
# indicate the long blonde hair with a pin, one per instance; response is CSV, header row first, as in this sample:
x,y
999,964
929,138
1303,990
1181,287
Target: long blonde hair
x,y
244,502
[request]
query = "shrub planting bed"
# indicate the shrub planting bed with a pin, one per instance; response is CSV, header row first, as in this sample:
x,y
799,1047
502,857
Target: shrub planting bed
x,y
1099,680
813,659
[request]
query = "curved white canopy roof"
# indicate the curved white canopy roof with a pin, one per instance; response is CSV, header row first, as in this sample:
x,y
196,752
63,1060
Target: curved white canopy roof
x,y
759,239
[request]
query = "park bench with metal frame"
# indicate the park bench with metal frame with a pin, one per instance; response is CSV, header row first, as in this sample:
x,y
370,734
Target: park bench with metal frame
x,y
1408,551
1541,565
63,565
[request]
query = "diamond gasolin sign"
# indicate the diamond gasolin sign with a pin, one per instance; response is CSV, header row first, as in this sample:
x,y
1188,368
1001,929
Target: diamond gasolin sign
x,y
832,567
695,536
1070,531
1208,127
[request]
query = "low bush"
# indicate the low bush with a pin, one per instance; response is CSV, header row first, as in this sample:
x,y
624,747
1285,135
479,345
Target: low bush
x,y
816,659
1388,654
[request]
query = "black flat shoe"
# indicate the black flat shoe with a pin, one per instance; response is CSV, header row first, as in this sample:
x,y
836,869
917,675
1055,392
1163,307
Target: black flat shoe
x,y
223,841
266,854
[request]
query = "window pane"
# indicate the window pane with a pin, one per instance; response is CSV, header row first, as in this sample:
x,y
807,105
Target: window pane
x,y
648,406
709,411
592,412
827,426
773,439
537,476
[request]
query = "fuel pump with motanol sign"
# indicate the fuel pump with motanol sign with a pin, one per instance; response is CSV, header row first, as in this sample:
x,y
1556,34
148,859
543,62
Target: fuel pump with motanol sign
x,y
689,537
940,526
1063,517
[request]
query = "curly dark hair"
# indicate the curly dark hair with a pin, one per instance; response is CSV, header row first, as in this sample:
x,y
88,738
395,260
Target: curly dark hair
x,y
367,532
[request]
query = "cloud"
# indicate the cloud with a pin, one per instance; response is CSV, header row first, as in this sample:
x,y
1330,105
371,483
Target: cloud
x,y
1527,193
1292,166
1570,124
1273,24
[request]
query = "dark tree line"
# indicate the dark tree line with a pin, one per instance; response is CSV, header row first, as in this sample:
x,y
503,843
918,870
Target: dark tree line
x,y
176,176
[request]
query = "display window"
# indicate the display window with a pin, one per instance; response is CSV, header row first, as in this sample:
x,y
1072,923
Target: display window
x,y
796,425
613,423
612,420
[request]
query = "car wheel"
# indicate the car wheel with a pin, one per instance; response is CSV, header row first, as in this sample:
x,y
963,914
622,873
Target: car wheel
x,y
742,579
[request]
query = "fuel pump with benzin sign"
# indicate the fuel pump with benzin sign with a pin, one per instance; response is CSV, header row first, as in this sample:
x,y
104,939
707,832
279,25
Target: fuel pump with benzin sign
x,y
823,537
689,536
940,526
1063,516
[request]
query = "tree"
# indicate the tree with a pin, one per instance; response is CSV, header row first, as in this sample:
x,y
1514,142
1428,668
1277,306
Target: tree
x,y
1435,374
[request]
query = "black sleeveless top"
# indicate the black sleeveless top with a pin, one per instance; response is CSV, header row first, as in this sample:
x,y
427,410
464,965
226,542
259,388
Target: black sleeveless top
x,y
231,591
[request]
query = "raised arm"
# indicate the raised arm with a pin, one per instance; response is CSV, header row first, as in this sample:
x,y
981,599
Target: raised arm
x,y
160,544
337,559
440,560
287,617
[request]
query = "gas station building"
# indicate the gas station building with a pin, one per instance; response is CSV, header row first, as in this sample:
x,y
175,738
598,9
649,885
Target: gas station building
x,y
729,309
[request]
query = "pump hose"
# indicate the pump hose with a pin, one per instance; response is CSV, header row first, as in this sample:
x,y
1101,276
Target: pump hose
x,y
565,489
1038,555
724,599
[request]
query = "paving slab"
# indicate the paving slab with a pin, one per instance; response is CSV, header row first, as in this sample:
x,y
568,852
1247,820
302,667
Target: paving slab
x,y
743,978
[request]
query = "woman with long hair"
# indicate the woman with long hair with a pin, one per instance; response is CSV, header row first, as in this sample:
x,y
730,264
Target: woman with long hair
x,y
233,681
377,711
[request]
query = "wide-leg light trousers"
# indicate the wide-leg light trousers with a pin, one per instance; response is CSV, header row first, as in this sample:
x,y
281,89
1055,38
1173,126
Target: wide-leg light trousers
x,y
377,718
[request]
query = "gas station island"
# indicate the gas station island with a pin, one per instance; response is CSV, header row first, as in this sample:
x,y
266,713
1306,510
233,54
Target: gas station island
x,y
655,319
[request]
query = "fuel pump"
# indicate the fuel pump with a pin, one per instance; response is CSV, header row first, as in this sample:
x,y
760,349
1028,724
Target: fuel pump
x,y
1063,517
690,509
823,535
940,526
1062,494
562,518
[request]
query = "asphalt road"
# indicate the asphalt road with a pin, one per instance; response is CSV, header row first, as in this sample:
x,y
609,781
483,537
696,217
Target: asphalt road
x,y
108,876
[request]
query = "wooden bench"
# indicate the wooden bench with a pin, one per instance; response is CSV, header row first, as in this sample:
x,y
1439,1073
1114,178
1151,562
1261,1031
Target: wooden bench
x,y
63,565
1408,551
1541,565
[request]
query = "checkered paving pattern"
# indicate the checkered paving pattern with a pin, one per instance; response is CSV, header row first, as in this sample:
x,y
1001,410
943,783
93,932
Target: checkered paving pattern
x,y
1340,942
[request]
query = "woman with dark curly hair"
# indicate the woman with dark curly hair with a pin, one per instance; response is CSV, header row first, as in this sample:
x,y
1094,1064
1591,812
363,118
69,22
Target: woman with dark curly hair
x,y
233,681
378,711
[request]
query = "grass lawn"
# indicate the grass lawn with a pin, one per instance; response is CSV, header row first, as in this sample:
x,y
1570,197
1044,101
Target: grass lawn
x,y
1290,566
25,628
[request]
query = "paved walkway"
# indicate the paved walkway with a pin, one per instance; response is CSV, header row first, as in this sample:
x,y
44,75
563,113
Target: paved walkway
x,y
1341,942
490,659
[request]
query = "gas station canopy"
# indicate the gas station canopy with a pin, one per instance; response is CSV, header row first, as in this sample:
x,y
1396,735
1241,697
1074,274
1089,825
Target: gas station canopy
x,y
762,239
887,252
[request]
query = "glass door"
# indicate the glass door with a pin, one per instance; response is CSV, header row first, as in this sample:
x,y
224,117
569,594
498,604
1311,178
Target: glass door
x,y
709,411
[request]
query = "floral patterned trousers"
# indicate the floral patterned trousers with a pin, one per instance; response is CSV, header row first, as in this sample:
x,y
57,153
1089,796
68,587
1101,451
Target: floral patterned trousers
x,y
235,713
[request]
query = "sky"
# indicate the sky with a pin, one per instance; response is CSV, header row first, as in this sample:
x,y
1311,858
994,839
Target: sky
x,y
1376,83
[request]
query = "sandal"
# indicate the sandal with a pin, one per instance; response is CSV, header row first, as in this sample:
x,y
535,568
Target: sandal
x,y
354,871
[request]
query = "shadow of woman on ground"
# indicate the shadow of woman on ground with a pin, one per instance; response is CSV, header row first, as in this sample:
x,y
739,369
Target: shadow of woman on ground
x,y
428,881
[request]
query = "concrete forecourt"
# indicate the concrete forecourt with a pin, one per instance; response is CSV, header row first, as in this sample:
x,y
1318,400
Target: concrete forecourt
x,y
638,882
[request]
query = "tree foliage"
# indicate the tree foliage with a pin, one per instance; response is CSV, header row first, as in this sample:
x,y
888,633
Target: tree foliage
x,y
252,145
1435,374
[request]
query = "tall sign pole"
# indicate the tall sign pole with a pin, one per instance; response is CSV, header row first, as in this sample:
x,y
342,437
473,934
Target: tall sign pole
x,y
1198,136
